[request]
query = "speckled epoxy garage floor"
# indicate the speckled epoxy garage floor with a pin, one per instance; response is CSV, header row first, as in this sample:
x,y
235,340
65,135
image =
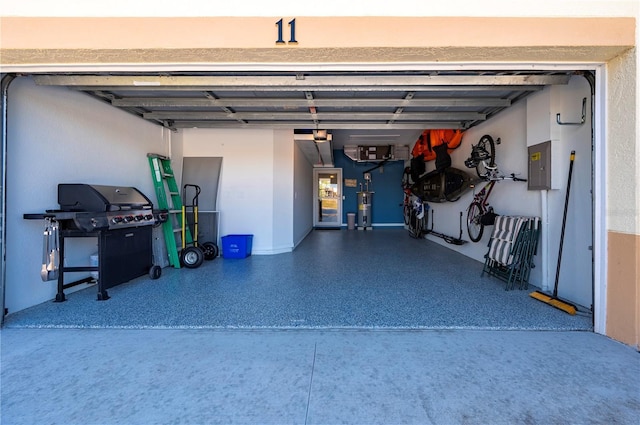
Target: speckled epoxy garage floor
x,y
290,339
334,279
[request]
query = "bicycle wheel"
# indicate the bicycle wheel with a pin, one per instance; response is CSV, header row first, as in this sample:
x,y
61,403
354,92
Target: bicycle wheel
x,y
475,228
406,211
415,225
486,155
419,226
411,223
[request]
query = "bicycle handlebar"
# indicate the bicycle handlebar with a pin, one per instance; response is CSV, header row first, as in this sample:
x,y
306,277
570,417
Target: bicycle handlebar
x,y
511,177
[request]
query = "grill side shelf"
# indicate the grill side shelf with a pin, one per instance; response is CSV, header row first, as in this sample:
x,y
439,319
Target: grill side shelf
x,y
58,215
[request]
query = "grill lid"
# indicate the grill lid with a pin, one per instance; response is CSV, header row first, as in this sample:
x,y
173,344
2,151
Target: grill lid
x,y
100,198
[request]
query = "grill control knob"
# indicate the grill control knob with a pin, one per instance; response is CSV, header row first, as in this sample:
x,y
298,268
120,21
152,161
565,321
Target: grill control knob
x,y
139,217
148,217
117,219
127,218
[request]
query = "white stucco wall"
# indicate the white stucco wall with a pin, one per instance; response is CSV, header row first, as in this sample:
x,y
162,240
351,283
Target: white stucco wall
x,y
56,136
623,198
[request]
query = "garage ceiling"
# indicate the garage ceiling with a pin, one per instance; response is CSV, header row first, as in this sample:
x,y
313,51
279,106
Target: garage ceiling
x,y
372,108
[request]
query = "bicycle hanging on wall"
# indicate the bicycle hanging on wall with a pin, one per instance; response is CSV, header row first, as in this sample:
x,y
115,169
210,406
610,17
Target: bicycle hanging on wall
x,y
406,202
483,156
479,212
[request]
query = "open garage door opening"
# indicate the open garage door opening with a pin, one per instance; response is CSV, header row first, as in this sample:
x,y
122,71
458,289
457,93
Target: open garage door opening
x,y
259,123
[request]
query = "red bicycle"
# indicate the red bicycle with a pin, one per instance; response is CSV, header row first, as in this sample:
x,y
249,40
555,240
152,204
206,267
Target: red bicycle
x,y
480,213
406,189
413,208
483,159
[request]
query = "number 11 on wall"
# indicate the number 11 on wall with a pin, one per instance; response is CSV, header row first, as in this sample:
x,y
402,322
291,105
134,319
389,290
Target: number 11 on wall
x,y
292,29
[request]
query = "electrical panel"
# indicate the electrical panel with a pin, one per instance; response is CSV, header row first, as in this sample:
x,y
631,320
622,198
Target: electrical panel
x,y
540,166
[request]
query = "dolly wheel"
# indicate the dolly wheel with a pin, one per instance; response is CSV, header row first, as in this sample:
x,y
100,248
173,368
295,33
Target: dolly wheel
x,y
210,250
191,257
155,272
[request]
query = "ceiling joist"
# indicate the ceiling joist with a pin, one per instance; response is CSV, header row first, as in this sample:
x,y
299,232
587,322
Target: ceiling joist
x,y
188,102
335,116
328,125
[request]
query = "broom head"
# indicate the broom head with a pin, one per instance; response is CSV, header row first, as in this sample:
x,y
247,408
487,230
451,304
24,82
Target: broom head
x,y
554,302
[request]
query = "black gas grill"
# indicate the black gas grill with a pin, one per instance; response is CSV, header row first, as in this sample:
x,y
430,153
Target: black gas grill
x,y
121,218
95,207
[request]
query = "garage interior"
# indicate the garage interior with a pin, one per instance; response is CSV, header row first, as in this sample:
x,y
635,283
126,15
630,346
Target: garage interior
x,y
381,278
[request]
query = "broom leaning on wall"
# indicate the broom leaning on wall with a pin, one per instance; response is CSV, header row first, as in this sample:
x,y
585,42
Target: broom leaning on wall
x,y
553,299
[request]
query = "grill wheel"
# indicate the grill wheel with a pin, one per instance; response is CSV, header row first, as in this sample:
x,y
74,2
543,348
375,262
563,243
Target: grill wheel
x,y
155,272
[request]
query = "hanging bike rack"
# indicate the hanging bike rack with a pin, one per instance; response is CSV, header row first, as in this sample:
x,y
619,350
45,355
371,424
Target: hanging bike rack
x,y
584,113
447,238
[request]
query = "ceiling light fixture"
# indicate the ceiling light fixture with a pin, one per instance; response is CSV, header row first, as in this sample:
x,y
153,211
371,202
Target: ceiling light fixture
x,y
320,136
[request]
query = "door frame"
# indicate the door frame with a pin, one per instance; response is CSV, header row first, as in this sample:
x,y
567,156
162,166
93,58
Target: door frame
x,y
316,208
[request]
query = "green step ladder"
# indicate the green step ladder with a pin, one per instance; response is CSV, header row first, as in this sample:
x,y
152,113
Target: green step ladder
x,y
168,195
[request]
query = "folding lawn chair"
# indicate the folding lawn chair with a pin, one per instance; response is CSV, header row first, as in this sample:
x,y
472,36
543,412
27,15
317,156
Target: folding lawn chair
x,y
512,245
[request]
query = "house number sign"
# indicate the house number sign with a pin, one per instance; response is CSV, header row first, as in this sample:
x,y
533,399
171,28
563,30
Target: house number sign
x,y
292,32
